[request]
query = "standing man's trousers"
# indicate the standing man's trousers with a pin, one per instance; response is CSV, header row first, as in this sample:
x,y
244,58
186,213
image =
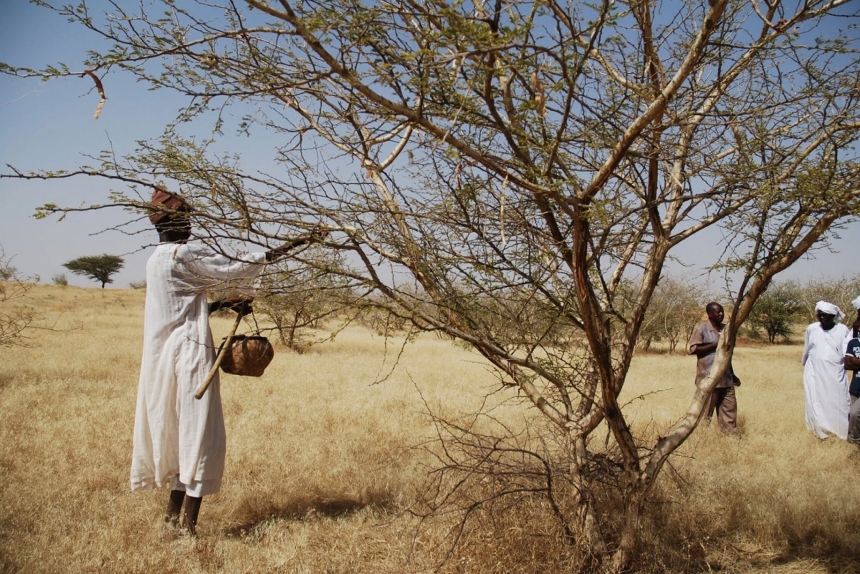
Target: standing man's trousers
x,y
723,401
854,421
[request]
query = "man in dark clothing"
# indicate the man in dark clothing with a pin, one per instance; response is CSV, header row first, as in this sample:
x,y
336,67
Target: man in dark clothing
x,y
703,344
852,363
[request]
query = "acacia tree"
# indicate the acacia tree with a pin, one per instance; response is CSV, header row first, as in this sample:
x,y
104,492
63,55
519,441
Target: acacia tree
x,y
777,310
299,299
99,268
520,163
675,308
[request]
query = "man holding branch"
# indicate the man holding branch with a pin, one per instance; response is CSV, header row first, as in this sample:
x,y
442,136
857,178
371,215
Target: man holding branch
x,y
179,440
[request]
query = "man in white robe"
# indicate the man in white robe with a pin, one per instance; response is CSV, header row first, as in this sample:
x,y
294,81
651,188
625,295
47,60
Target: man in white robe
x,y
179,440
825,383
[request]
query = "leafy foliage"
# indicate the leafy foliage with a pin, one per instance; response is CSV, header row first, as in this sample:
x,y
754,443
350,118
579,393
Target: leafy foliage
x,y
676,307
777,310
840,291
298,302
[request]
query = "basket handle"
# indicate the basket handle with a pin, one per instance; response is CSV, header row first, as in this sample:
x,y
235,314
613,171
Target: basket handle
x,y
225,346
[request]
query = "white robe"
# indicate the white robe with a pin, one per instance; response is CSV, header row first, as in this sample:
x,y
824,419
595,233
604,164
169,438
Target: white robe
x,y
174,433
825,382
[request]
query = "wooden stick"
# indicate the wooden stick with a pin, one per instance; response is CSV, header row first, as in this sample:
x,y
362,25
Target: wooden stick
x,y
225,347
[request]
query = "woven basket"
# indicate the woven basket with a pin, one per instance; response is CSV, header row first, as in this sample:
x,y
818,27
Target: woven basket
x,y
249,356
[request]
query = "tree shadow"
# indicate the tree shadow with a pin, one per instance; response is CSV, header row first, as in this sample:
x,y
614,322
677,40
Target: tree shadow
x,y
820,546
843,562
302,508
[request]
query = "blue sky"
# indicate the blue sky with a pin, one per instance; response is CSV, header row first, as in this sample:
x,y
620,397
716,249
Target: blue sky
x,y
50,126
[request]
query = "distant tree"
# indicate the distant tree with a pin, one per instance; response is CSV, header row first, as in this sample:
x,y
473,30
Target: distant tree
x,y
137,284
96,267
16,317
60,279
7,270
839,291
676,307
777,309
297,301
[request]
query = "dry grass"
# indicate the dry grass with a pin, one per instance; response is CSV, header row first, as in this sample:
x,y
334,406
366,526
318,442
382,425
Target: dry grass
x,y
322,463
775,498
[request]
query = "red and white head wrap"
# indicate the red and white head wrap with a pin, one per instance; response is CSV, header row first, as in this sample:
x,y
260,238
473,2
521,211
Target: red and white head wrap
x,y
167,205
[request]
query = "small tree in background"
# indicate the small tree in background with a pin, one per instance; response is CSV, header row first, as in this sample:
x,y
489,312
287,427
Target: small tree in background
x,y
7,270
676,307
60,279
777,309
96,267
297,301
839,291
16,317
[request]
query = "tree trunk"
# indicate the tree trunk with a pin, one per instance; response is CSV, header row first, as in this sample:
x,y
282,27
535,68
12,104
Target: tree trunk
x,y
622,558
590,538
293,328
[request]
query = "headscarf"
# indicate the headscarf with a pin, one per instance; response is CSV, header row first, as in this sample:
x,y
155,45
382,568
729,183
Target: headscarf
x,y
166,205
829,308
856,303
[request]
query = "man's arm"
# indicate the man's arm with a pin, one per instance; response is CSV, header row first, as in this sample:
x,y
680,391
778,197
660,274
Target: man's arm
x,y
241,305
703,349
315,236
697,344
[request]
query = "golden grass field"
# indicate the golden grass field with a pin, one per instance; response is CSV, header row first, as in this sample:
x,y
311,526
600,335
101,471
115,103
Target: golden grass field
x,y
323,466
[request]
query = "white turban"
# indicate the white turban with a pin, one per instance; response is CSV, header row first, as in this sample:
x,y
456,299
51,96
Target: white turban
x,y
829,308
856,303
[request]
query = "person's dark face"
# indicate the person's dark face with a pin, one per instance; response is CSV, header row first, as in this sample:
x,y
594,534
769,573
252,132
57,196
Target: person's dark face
x,y
826,319
177,230
716,314
183,230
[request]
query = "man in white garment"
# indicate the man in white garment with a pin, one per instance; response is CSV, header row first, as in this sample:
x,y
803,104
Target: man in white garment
x,y
825,383
180,441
